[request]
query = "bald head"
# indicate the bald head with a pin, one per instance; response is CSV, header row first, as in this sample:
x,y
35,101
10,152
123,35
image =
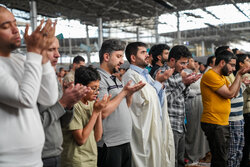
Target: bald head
x,y
2,9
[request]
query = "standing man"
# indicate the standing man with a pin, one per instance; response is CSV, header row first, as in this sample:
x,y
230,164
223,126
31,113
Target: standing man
x,y
70,77
24,82
210,63
196,145
177,89
152,141
216,95
236,120
160,56
58,114
114,148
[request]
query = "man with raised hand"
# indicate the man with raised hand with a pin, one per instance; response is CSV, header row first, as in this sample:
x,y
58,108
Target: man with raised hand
x,y
114,148
24,82
59,114
216,93
152,141
177,89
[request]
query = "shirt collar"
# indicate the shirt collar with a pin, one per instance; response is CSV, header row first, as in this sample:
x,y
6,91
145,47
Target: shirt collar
x,y
104,73
138,69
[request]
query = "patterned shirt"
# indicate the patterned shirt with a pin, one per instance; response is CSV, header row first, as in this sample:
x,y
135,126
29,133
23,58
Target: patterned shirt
x,y
176,93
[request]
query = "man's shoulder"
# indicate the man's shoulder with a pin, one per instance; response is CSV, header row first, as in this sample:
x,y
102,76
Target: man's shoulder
x,y
209,74
69,77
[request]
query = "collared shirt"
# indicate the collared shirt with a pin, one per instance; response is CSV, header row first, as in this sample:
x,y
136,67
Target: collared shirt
x,y
176,93
70,77
117,127
194,87
157,85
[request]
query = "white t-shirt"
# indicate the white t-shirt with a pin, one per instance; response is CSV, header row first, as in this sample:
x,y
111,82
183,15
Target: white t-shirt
x,y
21,134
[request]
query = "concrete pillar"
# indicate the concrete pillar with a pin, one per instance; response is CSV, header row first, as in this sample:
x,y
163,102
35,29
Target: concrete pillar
x,y
88,43
212,48
178,29
202,48
100,34
156,28
33,15
70,49
137,34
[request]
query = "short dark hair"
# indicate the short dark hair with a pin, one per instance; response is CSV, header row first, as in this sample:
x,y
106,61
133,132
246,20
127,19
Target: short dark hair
x,y
224,55
235,50
220,49
240,59
158,51
210,60
152,49
132,49
109,46
85,75
178,52
78,59
60,69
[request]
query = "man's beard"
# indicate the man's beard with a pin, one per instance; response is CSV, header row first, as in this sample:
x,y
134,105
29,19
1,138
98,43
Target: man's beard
x,y
115,70
163,60
13,46
225,71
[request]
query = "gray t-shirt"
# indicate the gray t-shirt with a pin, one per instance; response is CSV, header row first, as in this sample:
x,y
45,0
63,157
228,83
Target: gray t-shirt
x,y
117,127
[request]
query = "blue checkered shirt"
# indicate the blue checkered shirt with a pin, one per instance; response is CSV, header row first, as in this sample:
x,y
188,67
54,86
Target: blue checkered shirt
x,y
176,93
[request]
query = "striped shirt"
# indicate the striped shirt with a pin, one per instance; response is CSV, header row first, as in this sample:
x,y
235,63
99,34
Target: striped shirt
x,y
237,104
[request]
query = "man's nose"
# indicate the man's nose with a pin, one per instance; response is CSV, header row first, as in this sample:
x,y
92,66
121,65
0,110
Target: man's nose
x,y
57,54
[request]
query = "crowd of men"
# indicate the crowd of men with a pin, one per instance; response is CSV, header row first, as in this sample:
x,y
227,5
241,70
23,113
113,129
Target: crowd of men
x,y
161,112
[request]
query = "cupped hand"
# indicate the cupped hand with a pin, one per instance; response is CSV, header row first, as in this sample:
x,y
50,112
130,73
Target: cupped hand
x,y
163,76
131,89
41,38
99,105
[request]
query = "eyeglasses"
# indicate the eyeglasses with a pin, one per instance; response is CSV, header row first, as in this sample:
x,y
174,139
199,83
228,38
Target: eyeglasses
x,y
232,65
247,60
95,90
184,63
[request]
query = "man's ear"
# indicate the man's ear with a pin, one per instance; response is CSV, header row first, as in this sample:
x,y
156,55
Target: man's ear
x,y
106,57
241,64
223,63
159,57
172,60
132,58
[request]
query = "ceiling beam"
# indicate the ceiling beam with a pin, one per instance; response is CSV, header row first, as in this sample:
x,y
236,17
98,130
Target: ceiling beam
x,y
114,8
237,7
208,12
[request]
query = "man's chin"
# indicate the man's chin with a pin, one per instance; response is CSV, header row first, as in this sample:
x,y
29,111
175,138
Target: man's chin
x,y
115,70
54,64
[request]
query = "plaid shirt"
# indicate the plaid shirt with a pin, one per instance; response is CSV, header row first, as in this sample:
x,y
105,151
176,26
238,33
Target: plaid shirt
x,y
176,93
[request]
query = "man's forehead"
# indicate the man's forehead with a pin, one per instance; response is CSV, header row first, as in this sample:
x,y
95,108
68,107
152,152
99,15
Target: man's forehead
x,y
232,61
183,59
117,52
6,17
142,48
55,44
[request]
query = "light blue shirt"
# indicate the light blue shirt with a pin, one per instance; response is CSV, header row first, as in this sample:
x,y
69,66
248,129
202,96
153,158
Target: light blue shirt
x,y
156,84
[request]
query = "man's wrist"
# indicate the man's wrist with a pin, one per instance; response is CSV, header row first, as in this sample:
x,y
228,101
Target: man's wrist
x,y
34,50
